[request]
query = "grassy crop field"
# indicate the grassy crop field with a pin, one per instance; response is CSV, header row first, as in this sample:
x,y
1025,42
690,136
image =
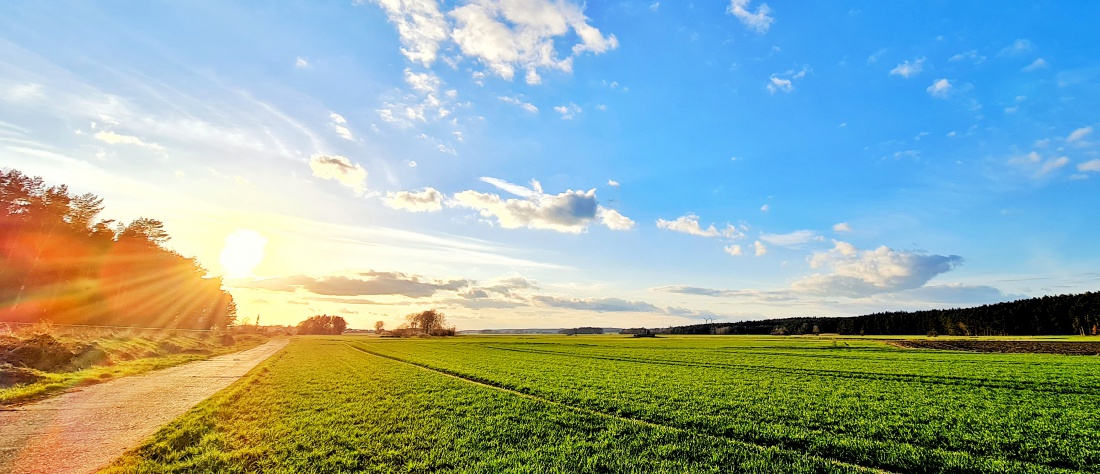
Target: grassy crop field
x,y
618,404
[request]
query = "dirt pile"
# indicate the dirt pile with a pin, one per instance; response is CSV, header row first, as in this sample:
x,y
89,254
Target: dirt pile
x,y
976,345
43,352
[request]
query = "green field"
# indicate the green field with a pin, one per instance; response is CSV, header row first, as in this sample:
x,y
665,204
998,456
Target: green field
x,y
618,404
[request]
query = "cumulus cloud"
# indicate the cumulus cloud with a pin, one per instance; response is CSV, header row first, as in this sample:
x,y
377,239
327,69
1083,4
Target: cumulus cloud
x,y
792,239
341,169
506,36
516,101
758,21
340,124
777,84
688,224
301,63
856,273
1091,165
1079,134
420,25
734,250
759,249
1017,48
425,200
940,89
570,211
613,220
908,69
568,111
842,227
113,138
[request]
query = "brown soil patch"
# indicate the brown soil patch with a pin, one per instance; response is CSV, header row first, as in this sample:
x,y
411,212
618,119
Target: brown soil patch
x,y
1036,347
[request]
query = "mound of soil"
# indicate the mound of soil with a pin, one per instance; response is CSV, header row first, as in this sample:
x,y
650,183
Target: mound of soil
x,y
43,352
12,376
977,345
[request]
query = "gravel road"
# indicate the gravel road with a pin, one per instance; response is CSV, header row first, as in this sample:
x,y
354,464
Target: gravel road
x,y
84,429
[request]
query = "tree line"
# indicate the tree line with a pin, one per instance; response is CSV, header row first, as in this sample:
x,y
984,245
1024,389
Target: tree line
x,y
1077,314
59,262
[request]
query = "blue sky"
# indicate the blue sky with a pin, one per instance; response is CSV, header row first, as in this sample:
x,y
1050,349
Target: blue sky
x,y
536,163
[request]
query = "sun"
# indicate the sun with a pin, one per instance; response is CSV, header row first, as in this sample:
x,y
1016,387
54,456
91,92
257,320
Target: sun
x,y
244,249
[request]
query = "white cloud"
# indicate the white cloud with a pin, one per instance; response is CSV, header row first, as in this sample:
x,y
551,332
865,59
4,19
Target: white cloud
x,y
1079,134
907,69
940,89
1051,165
508,35
765,208
411,163
734,250
857,273
654,6
792,239
425,200
612,183
22,93
759,248
420,25
427,103
113,138
516,101
688,224
568,111
302,63
1035,65
777,84
1017,48
425,82
613,220
1092,165
971,55
874,57
340,169
570,211
758,21
842,227
339,123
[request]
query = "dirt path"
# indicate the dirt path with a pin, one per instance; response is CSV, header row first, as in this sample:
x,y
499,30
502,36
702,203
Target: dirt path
x,y
85,429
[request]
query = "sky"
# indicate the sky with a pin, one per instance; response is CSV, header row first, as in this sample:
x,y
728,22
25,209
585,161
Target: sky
x,y
554,163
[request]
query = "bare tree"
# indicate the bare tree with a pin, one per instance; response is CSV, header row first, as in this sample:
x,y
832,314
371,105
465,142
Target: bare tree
x,y
379,327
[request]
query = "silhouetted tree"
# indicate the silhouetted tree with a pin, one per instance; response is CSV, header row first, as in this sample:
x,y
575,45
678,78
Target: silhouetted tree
x,y
430,322
59,262
379,327
323,324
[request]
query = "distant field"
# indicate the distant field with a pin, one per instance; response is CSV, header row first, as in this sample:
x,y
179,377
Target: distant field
x,y
618,404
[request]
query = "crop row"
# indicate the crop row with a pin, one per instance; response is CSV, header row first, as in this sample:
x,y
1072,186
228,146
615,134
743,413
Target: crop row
x,y
323,406
1032,414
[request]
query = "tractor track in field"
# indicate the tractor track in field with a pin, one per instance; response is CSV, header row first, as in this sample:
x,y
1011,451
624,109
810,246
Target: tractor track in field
x,y
84,429
496,386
